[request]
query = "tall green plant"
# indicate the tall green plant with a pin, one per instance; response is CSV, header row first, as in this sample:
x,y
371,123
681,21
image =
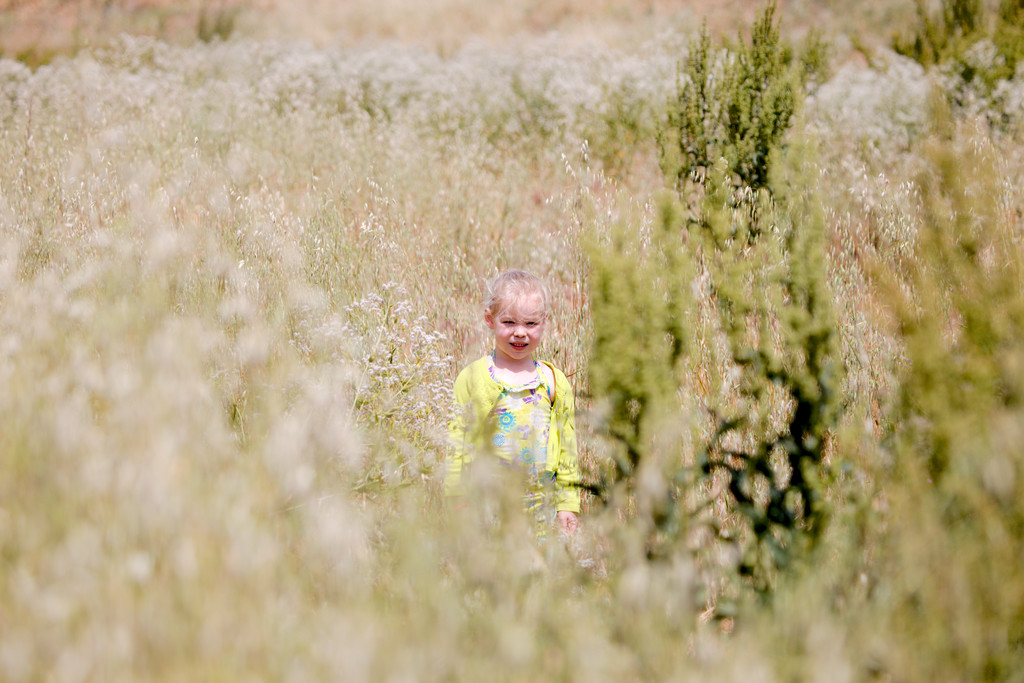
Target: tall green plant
x,y
947,36
1008,34
950,588
640,304
770,319
764,258
735,102
940,35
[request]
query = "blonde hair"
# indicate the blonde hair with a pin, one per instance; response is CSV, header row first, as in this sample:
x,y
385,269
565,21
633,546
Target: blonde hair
x,y
513,285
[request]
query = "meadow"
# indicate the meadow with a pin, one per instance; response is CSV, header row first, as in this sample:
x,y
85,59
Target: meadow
x,y
238,276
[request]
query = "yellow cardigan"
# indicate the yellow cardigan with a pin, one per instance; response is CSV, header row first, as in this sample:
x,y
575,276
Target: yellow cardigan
x,y
476,394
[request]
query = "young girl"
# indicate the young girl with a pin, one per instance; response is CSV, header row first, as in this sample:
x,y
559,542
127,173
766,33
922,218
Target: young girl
x,y
518,408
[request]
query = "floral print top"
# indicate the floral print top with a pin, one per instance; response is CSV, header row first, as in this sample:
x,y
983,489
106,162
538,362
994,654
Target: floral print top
x,y
522,415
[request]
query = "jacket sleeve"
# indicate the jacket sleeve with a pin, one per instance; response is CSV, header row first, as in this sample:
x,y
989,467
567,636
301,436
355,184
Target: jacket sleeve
x,y
567,475
458,438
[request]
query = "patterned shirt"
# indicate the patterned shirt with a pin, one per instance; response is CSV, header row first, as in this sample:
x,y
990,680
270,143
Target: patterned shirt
x,y
522,415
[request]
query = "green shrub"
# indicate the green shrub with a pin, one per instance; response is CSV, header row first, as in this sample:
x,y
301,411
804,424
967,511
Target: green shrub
x,y
940,36
765,261
951,36
952,543
766,326
216,23
639,305
1009,32
736,102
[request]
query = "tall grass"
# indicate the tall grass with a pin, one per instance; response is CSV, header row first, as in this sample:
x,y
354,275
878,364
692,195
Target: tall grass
x,y
237,279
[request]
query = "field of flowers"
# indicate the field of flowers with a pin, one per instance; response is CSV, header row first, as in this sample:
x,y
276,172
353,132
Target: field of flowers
x,y
238,277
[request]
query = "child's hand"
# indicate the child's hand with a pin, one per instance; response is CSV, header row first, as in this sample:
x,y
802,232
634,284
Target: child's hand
x,y
567,522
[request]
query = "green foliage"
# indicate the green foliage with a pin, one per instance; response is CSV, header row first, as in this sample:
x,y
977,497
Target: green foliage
x,y
948,36
765,262
217,23
955,544
736,103
639,307
624,127
770,319
1008,34
939,37
815,56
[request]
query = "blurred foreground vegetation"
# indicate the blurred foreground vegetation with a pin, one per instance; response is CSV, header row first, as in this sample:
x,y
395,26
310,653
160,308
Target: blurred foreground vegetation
x,y
237,278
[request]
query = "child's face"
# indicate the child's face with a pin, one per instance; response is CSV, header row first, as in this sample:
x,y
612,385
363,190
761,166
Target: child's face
x,y
518,328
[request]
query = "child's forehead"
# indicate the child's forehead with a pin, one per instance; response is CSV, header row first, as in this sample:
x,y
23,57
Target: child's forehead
x,y
524,306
